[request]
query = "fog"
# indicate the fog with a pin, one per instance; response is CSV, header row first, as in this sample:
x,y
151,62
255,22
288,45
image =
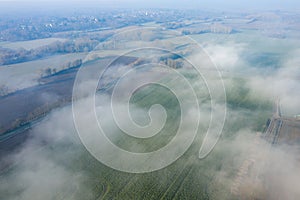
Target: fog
x,y
47,164
39,172
282,83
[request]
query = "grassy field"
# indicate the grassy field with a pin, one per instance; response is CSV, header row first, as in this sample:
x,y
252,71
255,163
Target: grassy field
x,y
187,178
30,44
23,75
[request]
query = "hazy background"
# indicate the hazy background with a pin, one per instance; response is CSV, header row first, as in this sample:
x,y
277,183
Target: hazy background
x,y
189,4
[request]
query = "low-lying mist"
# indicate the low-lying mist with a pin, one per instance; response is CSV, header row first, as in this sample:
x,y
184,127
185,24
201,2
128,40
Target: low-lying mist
x,y
54,164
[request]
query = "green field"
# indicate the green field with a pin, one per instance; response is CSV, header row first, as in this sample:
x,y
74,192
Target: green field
x,y
30,44
23,75
187,178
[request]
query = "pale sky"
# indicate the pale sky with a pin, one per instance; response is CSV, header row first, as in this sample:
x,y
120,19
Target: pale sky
x,y
201,4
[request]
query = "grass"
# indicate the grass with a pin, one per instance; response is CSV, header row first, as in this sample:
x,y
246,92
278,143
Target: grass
x,y
30,44
188,177
23,75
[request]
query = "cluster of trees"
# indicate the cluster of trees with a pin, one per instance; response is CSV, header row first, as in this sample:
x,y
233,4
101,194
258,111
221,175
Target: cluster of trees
x,y
220,28
53,70
9,56
213,28
35,114
4,90
22,32
173,62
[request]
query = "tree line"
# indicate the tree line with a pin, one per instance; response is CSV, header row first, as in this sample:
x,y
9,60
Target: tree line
x,y
10,56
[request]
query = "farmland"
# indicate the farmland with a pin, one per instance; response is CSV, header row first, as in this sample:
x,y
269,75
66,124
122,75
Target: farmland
x,y
57,86
188,177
